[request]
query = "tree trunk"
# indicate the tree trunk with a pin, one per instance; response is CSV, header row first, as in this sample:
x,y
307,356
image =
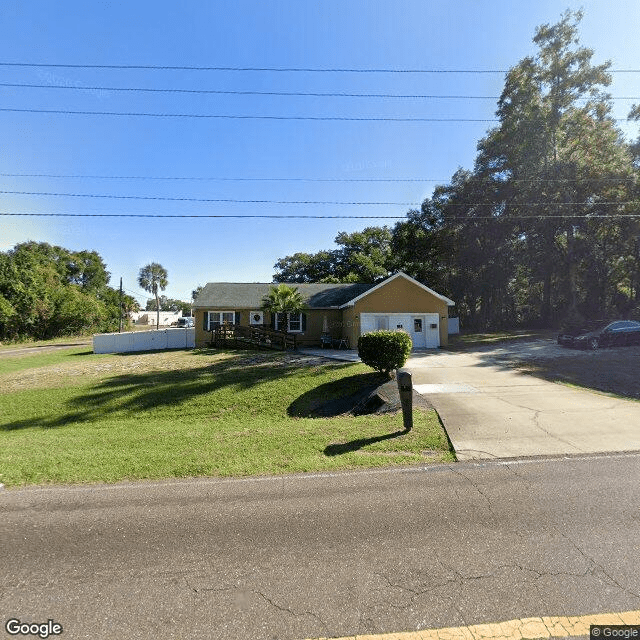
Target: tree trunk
x,y
571,268
545,312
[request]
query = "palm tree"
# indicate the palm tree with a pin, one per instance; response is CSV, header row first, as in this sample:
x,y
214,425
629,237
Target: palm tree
x,y
283,299
152,278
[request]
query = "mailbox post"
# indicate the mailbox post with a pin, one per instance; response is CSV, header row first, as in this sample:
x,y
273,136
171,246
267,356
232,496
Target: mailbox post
x,y
405,388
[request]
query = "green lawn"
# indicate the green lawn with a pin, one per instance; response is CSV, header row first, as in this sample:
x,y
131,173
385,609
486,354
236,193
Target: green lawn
x,y
31,359
71,416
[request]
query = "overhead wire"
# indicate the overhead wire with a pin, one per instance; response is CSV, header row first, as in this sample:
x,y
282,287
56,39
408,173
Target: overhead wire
x,y
228,116
301,202
313,94
264,68
189,199
310,217
263,117
283,179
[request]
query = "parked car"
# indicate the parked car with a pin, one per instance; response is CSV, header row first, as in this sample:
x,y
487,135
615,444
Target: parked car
x,y
615,334
185,322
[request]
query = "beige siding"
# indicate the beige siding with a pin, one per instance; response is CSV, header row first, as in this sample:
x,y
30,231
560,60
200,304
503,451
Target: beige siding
x,y
311,336
351,326
400,296
315,320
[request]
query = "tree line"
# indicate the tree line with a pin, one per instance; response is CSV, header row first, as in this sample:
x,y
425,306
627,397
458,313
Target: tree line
x,y
544,229
48,291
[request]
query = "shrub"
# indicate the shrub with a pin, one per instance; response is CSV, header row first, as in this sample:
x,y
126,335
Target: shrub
x,y
384,350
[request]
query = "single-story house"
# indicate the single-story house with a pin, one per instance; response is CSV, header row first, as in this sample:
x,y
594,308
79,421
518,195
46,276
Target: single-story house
x,y
167,318
343,311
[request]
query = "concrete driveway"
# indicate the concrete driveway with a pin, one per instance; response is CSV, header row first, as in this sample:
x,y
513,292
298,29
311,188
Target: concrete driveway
x,y
491,409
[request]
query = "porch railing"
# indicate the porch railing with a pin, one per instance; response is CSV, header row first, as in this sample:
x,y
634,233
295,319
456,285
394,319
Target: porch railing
x,y
257,337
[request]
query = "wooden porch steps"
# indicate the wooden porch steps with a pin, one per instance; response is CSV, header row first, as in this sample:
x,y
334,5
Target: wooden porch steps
x,y
256,337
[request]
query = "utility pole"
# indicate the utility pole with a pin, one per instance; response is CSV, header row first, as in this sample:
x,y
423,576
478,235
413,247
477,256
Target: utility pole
x,y
120,329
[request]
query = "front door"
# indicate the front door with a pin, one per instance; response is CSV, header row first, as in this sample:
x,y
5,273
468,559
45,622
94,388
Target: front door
x,y
416,331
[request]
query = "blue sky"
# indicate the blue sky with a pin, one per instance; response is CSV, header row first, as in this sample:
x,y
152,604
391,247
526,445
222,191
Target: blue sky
x,y
360,34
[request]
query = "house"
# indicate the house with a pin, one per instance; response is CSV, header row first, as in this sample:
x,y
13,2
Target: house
x,y
344,311
167,318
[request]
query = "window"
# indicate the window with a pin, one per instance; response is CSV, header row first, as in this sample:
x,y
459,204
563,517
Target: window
x,y
417,325
292,322
382,323
216,318
295,322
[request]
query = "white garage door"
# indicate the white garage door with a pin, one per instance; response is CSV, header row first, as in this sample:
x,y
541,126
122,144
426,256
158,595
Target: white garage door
x,y
422,327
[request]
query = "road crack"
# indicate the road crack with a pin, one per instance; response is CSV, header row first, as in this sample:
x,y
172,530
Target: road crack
x,y
291,611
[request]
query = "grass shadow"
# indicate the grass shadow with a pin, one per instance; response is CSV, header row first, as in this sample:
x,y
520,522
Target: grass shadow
x,y
133,393
355,445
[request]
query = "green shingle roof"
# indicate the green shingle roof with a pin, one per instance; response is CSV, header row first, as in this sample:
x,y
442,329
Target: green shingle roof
x,y
249,295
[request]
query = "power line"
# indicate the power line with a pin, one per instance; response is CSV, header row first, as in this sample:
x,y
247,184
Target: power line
x,y
319,217
227,116
214,178
266,69
284,179
245,117
133,293
248,93
186,215
227,200
334,94
305,202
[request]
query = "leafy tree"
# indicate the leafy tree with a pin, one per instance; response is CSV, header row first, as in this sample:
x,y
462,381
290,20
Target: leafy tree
x,y
196,292
307,267
556,147
153,278
46,291
423,246
363,256
283,300
534,232
87,269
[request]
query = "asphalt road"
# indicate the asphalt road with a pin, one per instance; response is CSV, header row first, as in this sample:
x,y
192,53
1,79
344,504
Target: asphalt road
x,y
324,555
43,348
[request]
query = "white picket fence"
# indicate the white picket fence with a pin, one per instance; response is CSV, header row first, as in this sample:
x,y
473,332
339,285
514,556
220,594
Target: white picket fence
x,y
144,340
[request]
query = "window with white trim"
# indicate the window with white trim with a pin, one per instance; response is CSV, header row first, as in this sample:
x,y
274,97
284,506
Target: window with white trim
x,y
292,321
216,318
295,322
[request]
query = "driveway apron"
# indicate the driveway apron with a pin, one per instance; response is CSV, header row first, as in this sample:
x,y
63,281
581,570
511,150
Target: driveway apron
x,y
491,410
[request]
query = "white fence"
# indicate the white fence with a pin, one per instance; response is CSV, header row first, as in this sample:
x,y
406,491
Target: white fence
x,y
454,325
144,340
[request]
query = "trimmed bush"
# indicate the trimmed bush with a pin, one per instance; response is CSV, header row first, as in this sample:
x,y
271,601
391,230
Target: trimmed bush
x,y
384,350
